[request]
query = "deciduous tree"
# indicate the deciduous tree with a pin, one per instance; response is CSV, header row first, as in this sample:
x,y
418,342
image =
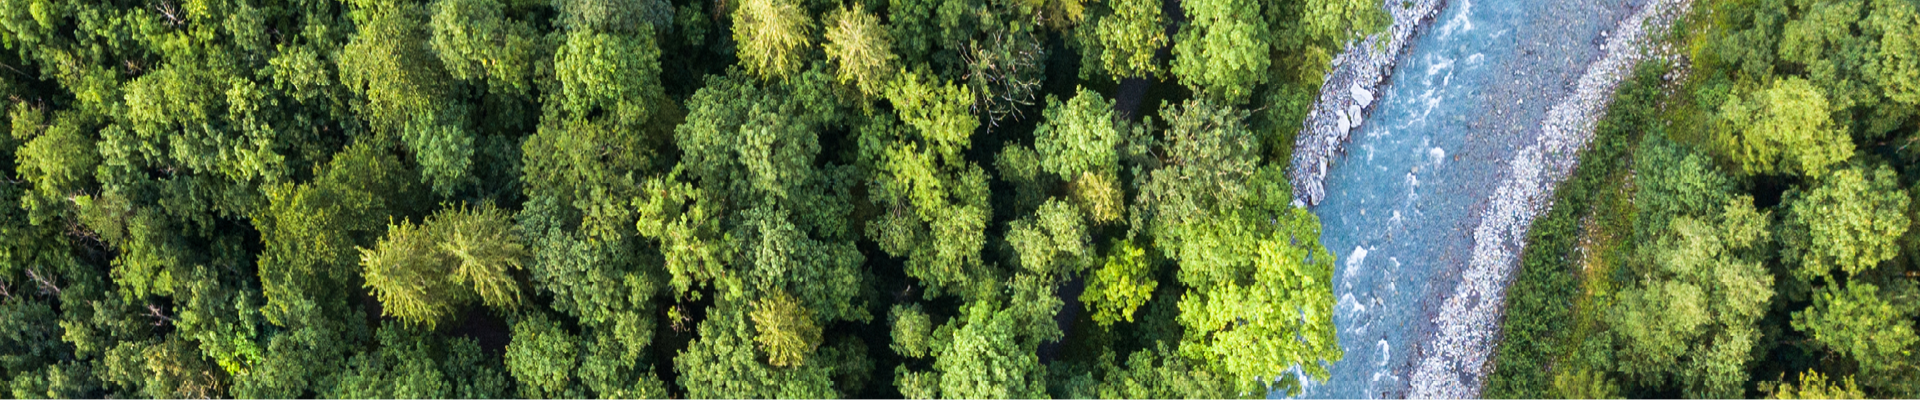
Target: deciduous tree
x,y
1785,128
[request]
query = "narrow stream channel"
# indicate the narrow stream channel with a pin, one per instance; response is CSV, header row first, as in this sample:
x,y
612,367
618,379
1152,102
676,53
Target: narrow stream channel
x,y
1415,179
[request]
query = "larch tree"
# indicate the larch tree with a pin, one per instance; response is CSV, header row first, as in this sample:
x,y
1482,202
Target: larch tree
x,y
775,37
862,48
424,273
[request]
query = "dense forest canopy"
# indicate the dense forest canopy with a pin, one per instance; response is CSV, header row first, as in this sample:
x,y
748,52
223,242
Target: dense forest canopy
x,y
1747,222
686,198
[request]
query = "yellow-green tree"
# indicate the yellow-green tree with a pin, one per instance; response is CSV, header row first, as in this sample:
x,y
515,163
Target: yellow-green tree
x,y
1129,38
773,36
1784,128
862,48
424,273
1813,385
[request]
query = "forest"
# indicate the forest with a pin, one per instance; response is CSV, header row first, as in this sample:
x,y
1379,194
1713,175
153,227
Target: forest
x,y
727,198
1746,222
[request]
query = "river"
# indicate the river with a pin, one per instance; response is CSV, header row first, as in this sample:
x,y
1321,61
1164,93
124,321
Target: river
x,y
1409,198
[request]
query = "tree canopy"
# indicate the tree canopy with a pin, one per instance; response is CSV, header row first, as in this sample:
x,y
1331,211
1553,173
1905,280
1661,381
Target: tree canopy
x,y
1760,239
657,198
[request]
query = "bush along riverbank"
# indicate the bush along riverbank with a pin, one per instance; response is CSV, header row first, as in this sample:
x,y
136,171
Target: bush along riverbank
x,y
1743,224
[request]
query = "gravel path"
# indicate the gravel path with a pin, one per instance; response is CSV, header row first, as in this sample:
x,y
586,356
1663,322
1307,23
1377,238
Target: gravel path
x,y
1467,328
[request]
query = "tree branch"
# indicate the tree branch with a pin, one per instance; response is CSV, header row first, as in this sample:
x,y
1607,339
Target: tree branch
x,y
46,285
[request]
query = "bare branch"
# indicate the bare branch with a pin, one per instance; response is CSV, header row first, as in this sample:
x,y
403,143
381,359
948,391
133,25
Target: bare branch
x,y
160,317
46,285
166,9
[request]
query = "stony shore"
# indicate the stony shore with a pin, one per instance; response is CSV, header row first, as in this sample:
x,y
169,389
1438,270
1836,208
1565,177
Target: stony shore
x,y
1466,330
1348,93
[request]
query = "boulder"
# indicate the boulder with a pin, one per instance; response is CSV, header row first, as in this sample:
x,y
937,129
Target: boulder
x,y
1362,95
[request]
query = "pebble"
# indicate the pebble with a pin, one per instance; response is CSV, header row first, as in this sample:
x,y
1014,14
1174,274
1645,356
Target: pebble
x,y
1467,328
1359,67
1452,361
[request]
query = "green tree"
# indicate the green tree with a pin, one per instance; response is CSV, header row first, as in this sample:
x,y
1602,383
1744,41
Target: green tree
x,y
409,93
57,157
722,363
614,74
755,217
613,16
1329,22
1699,290
934,201
1080,142
1251,264
1783,128
606,124
1858,323
1850,222
310,230
1160,373
989,349
1052,241
542,358
1896,66
416,363
477,42
911,328
1223,50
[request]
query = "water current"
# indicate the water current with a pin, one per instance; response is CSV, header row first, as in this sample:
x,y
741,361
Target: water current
x,y
1415,178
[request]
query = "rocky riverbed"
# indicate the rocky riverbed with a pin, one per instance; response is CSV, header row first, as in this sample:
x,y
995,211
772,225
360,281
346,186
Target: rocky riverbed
x,y
1347,94
1467,328
1472,113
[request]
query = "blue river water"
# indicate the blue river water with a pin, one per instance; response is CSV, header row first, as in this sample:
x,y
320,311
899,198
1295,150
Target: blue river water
x,y
1403,199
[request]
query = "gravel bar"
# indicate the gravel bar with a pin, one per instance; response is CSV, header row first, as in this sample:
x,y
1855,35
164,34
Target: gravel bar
x,y
1349,91
1467,329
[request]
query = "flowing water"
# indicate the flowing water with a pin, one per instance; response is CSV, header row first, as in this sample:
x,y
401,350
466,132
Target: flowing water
x,y
1402,202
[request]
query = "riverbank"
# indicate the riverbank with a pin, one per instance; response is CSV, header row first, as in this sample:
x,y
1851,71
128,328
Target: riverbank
x,y
1351,86
1466,329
